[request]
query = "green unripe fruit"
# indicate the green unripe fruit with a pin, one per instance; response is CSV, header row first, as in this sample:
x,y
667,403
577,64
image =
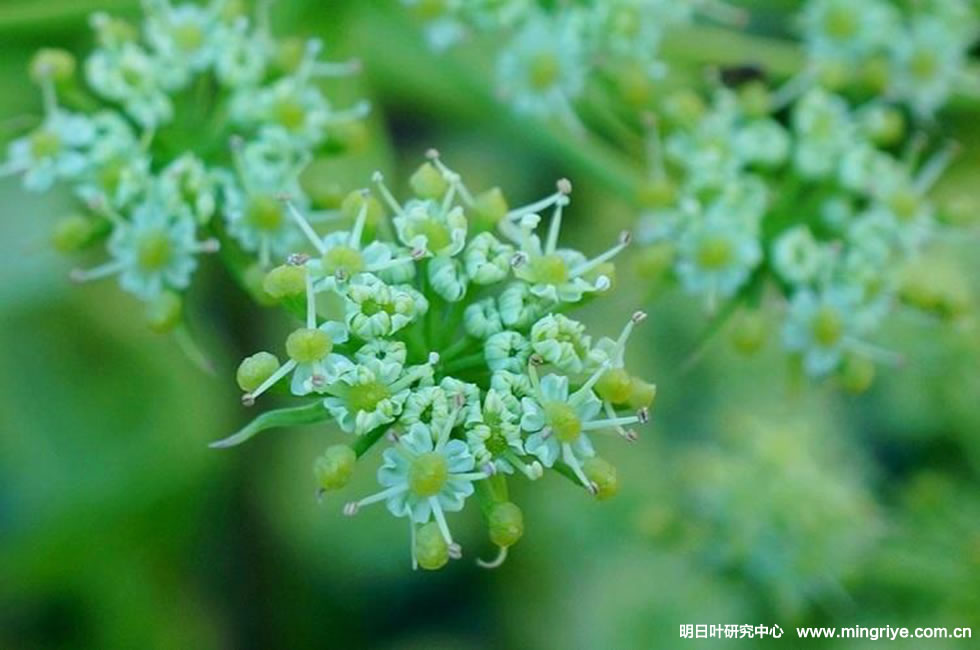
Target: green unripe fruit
x,y
603,474
308,344
334,469
286,280
653,261
318,183
428,474
71,233
55,64
355,201
489,208
505,523
431,550
749,332
428,182
642,394
254,370
856,374
563,420
615,385
164,312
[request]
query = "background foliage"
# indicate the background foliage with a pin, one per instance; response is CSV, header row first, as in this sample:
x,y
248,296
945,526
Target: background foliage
x,y
752,497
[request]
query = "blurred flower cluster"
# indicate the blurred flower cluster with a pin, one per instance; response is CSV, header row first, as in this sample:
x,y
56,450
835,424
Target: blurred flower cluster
x,y
804,197
912,53
444,332
142,140
548,56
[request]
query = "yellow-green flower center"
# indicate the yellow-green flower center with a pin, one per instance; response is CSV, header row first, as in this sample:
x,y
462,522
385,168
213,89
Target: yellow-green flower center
x,y
265,213
563,420
44,143
428,474
923,65
307,345
840,22
904,203
290,114
153,250
827,326
549,269
365,397
188,37
543,70
436,234
343,258
715,253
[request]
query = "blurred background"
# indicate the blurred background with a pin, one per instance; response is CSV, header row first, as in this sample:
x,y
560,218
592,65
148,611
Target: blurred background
x,y
752,497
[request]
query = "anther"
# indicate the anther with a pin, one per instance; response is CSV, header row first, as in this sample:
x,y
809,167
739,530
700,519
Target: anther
x,y
536,359
297,259
455,551
351,508
638,317
643,415
519,259
248,399
625,237
432,153
564,186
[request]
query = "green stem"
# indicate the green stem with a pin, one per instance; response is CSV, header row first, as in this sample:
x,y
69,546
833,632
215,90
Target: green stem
x,y
364,443
464,363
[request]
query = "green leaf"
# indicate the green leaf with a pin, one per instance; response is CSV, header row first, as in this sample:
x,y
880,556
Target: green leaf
x,y
307,414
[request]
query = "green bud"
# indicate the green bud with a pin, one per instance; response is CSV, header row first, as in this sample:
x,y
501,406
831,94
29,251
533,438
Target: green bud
x,y
72,233
684,107
428,182
615,385
308,344
431,550
856,373
489,208
749,332
755,99
642,394
318,181
652,262
285,280
254,370
505,523
604,475
253,280
55,64
334,469
354,201
164,312
291,53
656,193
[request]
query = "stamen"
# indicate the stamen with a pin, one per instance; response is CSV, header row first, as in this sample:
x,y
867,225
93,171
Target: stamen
x,y
411,528
610,423
49,96
471,476
590,382
101,271
555,225
655,152
351,508
496,562
441,522
337,68
379,180
624,241
310,301
448,429
534,471
102,207
569,457
452,177
354,241
297,259
791,90
540,204
877,353
358,111
303,224
248,399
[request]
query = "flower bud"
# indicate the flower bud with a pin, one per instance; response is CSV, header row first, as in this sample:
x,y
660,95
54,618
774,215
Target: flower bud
x,y
71,233
55,64
505,523
856,373
749,332
656,193
334,469
653,261
615,385
285,280
642,394
353,202
164,312
254,370
431,550
489,208
428,182
253,280
318,181
603,474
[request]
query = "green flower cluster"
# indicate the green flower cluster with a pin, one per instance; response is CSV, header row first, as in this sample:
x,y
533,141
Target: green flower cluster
x,y
446,336
142,139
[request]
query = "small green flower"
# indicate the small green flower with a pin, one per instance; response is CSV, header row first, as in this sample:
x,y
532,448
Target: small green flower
x,y
374,309
561,341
